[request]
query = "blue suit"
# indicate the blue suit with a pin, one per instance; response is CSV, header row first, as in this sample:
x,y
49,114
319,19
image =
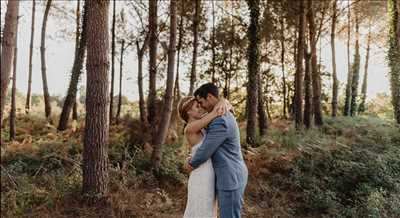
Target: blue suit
x,y
222,145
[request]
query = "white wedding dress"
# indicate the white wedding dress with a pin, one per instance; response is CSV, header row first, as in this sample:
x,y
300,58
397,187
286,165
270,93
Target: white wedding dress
x,y
201,199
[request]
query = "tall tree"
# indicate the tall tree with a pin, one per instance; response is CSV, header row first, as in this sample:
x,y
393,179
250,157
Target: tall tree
x,y
77,35
28,95
121,63
213,47
196,22
308,101
298,86
284,90
262,116
356,71
168,96
347,101
8,43
253,54
140,54
151,99
112,64
315,75
47,105
361,108
14,89
394,55
335,82
70,99
95,151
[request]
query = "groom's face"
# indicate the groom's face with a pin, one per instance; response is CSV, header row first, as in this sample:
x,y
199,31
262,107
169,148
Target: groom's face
x,y
205,103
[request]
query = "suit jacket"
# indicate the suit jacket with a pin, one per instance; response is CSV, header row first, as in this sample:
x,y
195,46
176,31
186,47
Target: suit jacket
x,y
222,145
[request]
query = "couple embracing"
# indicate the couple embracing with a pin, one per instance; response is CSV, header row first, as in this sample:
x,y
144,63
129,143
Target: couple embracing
x,y
218,173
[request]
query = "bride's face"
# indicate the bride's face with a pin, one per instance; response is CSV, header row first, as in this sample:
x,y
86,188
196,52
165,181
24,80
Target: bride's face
x,y
196,112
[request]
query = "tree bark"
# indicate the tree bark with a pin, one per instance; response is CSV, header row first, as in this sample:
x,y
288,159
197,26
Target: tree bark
x,y
283,65
315,75
28,95
213,44
7,50
335,82
112,65
196,21
70,99
362,106
14,89
47,105
78,18
120,80
151,99
142,107
95,152
168,96
298,92
253,54
347,101
262,116
308,103
356,73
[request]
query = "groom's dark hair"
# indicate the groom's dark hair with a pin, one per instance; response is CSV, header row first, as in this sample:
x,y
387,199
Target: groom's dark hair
x,y
205,89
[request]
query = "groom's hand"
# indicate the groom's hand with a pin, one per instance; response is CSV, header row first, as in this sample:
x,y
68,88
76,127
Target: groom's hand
x,y
188,167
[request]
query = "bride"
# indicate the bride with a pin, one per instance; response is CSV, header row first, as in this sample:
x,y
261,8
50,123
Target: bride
x,y
201,200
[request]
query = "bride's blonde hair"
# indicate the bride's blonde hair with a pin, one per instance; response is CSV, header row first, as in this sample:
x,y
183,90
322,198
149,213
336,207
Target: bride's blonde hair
x,y
185,104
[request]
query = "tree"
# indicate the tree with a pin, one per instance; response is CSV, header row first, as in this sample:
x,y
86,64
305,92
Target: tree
x,y
77,35
47,105
140,54
298,88
356,72
95,151
70,99
315,75
335,82
308,101
253,54
28,95
347,101
151,99
121,63
168,96
14,89
112,64
283,64
361,108
196,21
394,55
8,44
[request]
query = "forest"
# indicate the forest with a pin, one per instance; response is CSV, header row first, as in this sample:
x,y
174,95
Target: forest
x,y
90,92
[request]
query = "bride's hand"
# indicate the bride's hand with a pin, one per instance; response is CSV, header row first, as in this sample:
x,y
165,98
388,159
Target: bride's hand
x,y
221,107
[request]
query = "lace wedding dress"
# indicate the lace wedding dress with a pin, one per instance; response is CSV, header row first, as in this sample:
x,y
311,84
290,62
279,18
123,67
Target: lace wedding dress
x,y
201,201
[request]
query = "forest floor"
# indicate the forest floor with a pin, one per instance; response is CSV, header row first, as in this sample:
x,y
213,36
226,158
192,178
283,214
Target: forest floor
x,y
348,168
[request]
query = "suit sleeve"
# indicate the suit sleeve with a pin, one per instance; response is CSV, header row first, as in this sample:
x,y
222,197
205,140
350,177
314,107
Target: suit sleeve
x,y
216,135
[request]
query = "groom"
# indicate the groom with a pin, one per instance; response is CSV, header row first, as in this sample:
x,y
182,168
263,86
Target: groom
x,y
222,145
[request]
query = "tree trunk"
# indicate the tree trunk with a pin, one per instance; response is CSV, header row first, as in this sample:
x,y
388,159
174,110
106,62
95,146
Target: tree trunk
x,y
298,87
253,55
70,99
168,96
262,117
394,55
47,105
196,21
335,82
346,109
362,106
213,43
112,65
307,89
120,81
78,26
315,75
28,95
283,65
95,151
7,50
151,99
14,89
142,107
75,110
356,73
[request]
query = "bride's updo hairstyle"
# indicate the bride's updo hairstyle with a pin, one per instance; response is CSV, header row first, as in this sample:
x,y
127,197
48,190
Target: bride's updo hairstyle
x,y
185,104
